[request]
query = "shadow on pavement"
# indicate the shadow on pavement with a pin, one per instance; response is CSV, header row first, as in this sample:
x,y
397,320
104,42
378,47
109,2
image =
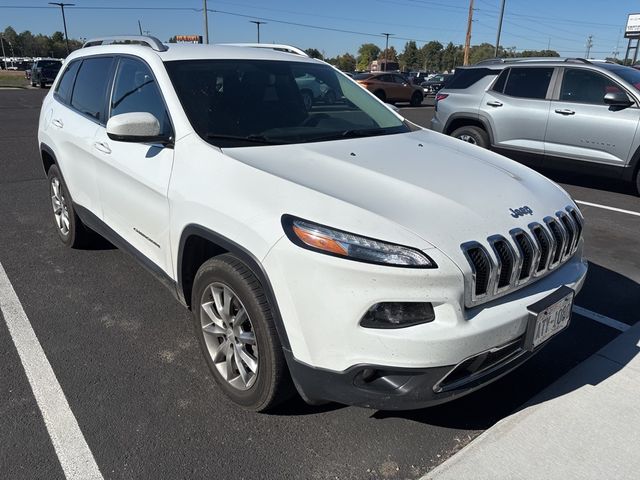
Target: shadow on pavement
x,y
589,181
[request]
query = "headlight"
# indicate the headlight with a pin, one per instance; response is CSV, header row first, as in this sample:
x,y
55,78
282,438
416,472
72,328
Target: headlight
x,y
338,243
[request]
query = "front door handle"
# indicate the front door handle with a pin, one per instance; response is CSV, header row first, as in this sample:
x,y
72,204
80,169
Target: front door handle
x,y
565,111
57,123
102,146
494,103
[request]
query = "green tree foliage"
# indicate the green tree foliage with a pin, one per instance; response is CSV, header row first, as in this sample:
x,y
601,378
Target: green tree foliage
x,y
314,53
367,53
26,44
346,62
410,58
392,55
431,56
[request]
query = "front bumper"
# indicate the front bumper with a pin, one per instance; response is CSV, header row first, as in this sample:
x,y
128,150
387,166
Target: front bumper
x,y
332,357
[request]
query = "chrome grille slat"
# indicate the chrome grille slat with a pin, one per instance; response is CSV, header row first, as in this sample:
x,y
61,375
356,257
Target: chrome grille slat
x,y
521,257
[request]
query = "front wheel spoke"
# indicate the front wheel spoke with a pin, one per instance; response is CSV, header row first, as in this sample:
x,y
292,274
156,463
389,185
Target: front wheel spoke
x,y
241,368
218,355
218,299
212,314
229,353
247,338
213,329
228,297
251,362
240,317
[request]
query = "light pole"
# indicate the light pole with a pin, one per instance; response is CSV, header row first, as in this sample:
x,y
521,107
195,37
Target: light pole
x,y
64,20
386,49
499,29
258,23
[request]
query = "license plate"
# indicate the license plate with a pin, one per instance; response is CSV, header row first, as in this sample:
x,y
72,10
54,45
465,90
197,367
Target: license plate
x,y
549,316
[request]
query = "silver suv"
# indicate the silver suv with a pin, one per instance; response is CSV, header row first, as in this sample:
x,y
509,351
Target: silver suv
x,y
571,114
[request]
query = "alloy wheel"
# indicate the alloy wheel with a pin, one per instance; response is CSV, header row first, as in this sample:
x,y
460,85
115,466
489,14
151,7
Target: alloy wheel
x,y
60,207
467,138
229,336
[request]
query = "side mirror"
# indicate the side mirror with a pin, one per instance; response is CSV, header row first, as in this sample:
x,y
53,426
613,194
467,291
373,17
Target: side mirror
x,y
617,99
139,127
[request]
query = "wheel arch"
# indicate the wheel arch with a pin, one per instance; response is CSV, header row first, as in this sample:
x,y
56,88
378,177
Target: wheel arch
x,y
48,157
462,120
198,244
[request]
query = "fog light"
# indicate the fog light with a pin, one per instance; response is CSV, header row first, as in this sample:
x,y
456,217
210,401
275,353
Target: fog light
x,y
397,315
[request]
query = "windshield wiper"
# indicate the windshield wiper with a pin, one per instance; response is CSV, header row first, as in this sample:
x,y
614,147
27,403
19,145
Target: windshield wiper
x,y
261,139
352,133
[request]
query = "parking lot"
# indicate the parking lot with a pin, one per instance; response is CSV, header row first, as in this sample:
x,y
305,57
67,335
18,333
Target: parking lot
x,y
124,354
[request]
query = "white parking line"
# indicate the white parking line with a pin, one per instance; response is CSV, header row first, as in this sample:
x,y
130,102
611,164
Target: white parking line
x,y
609,322
73,452
597,205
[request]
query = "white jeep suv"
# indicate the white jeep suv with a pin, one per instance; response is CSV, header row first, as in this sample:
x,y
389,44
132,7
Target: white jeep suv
x,y
339,249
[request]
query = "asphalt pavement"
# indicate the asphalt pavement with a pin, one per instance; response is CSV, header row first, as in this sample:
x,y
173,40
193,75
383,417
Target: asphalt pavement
x,y
124,354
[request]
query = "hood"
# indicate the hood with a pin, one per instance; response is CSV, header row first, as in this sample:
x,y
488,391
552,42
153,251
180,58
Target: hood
x,y
442,189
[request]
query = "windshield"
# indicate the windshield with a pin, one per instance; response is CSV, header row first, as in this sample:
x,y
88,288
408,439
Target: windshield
x,y
49,63
628,74
233,103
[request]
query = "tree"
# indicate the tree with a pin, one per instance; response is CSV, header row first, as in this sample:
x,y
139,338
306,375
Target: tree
x,y
477,53
314,53
410,57
452,56
367,53
431,56
392,55
346,62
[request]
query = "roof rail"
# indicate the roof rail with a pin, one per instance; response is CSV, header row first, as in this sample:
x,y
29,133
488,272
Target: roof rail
x,y
147,40
272,46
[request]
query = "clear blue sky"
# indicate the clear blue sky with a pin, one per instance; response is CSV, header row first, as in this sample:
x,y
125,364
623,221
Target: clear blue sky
x,y
528,24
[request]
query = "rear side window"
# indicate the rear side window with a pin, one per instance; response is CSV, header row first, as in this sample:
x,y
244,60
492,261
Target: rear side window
x,y
90,91
135,90
466,77
65,85
501,81
528,82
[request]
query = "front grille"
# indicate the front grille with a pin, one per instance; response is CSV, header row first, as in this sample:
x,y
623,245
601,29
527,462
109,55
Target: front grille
x,y
511,263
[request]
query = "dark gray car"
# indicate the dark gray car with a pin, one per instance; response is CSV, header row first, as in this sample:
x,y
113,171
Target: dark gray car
x,y
572,114
44,71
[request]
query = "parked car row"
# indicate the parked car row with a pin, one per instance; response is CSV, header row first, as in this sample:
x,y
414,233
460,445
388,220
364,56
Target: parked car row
x,y
391,87
557,113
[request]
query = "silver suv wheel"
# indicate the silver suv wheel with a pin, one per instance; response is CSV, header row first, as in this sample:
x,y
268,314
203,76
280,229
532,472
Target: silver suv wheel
x,y
229,336
60,207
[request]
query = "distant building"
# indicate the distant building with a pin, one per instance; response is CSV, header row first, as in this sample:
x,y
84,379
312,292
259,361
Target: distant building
x,y
379,66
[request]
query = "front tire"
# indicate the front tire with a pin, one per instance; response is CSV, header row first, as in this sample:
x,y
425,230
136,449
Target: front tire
x,y
637,181
471,134
71,231
416,99
235,328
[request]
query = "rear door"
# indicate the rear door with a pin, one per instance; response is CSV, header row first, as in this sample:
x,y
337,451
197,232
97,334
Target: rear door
x,y
134,177
517,107
583,127
76,115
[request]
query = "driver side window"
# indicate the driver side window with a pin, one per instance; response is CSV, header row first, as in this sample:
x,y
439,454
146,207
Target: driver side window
x,y
135,90
585,86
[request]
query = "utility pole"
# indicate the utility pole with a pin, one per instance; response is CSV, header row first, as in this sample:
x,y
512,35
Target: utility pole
x,y
258,23
64,20
4,58
206,23
467,42
589,45
386,49
499,29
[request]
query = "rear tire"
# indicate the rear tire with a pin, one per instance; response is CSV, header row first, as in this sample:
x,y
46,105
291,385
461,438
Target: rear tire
x,y
416,99
71,231
42,84
472,134
381,95
236,331
637,181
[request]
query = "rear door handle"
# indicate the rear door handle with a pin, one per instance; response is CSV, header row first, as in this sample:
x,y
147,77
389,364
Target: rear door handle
x,y
494,103
102,146
57,122
565,111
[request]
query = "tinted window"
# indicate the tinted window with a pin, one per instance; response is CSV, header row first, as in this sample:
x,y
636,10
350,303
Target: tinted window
x,y
362,76
630,75
399,79
502,79
49,63
528,82
233,103
65,85
585,86
90,91
466,77
135,90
